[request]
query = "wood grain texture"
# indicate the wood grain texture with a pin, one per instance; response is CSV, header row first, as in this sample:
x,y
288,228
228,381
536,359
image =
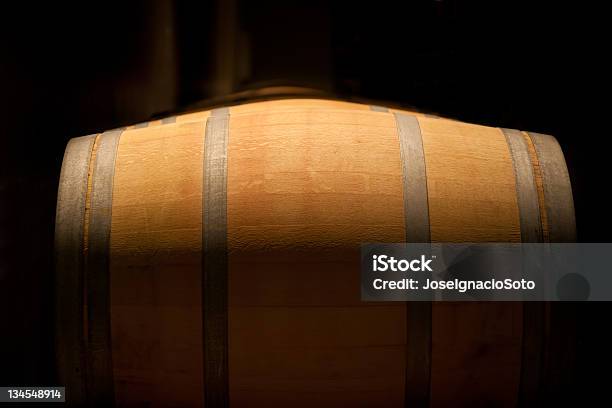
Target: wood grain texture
x,y
308,181
472,198
156,242
305,188
470,181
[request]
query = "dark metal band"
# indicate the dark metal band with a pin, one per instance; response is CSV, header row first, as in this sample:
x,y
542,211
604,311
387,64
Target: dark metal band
x,y
416,207
557,188
534,313
376,108
70,335
99,351
526,190
214,260
141,125
416,213
558,367
170,119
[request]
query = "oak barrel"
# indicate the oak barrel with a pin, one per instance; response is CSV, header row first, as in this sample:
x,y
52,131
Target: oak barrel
x,y
212,258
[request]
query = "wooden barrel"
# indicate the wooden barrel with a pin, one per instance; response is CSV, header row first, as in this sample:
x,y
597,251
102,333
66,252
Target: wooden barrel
x,y
213,259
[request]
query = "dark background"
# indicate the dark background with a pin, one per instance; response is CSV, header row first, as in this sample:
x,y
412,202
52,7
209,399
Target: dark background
x,y
67,71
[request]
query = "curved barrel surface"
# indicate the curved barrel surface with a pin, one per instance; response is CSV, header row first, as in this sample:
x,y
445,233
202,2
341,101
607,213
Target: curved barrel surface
x,y
213,258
